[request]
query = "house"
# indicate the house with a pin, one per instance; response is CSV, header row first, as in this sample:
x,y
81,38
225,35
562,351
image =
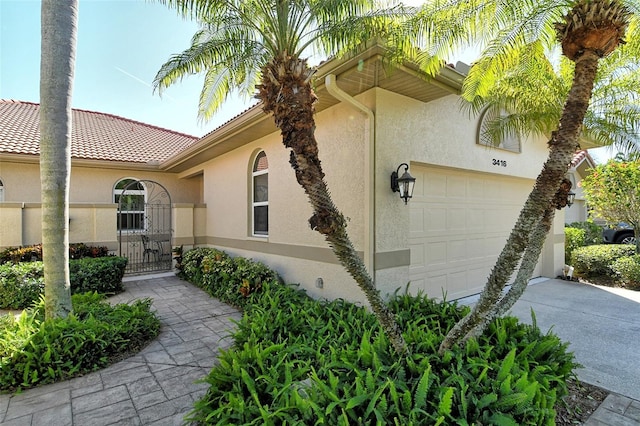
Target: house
x,y
580,167
234,189
107,152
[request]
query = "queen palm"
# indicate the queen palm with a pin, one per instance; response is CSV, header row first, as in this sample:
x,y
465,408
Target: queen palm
x,y
533,93
587,31
59,29
262,43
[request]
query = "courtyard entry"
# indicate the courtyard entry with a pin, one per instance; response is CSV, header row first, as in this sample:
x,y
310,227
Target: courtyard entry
x,y
144,225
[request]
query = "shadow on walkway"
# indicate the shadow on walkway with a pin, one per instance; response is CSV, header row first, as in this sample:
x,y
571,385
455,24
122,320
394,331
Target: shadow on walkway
x,y
156,386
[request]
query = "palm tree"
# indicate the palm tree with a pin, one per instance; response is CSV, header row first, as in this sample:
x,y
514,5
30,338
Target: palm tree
x,y
262,43
59,29
532,93
589,31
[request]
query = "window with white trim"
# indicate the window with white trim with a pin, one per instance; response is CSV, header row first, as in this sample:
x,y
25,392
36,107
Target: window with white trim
x,y
260,195
130,195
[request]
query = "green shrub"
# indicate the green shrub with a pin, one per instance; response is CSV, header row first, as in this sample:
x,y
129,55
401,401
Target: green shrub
x,y
596,260
21,284
232,280
34,253
592,232
628,270
191,264
34,351
301,361
573,238
102,274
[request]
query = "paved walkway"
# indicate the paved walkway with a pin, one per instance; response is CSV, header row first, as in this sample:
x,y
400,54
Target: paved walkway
x,y
602,326
154,387
157,386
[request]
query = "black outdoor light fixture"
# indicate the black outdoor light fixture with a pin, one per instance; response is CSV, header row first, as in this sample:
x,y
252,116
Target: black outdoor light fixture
x,y
571,197
403,184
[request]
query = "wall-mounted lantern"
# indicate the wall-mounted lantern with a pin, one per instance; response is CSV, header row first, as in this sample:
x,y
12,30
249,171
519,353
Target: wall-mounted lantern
x,y
403,184
571,197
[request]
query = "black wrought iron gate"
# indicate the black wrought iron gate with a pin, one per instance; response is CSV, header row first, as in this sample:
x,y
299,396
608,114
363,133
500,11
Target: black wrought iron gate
x,y
144,224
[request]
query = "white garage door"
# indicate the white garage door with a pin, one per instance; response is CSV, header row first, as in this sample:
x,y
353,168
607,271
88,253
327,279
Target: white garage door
x,y
459,224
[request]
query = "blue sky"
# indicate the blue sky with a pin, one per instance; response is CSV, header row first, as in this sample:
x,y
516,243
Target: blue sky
x,y
121,46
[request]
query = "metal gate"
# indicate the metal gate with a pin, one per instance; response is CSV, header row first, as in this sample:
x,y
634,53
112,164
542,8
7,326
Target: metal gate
x,y
144,225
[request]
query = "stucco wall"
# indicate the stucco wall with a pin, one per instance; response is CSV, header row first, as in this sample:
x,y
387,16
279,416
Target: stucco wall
x,y
92,184
291,247
439,133
92,212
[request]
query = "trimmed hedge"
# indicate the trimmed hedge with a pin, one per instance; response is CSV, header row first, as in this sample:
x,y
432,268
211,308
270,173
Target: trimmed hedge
x,y
34,253
628,271
21,284
301,361
34,351
233,280
592,232
596,260
573,238
580,234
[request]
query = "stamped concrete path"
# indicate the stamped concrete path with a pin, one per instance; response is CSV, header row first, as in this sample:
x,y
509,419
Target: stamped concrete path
x,y
156,386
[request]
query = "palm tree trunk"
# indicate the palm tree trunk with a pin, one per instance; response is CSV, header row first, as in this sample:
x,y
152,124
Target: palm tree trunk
x,y
286,91
563,145
59,29
528,264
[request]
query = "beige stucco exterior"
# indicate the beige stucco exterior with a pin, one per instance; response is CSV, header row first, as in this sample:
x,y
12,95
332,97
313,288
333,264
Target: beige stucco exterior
x,y
388,119
92,213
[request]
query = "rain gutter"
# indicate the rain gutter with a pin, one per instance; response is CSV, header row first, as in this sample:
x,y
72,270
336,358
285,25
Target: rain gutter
x,y
369,163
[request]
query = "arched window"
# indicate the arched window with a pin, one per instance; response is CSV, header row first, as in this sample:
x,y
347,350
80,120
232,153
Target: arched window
x,y
510,142
260,195
1,191
130,195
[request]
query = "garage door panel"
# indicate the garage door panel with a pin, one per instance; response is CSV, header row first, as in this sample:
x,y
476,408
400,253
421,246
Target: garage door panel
x,y
436,253
417,256
436,219
434,185
459,225
456,219
417,221
456,187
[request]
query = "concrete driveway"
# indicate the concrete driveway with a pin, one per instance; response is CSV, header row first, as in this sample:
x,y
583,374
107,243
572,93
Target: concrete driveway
x,y
601,324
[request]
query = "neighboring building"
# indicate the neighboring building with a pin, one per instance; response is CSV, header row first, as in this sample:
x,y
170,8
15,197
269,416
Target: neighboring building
x,y
580,167
234,188
106,151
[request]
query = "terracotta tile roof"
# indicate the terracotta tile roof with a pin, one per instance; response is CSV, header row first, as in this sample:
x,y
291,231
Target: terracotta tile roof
x,y
580,156
95,136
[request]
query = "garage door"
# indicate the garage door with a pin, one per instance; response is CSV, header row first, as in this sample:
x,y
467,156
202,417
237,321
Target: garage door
x,y
459,224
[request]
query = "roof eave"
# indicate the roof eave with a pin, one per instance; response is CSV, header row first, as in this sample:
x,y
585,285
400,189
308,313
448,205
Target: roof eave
x,y
253,123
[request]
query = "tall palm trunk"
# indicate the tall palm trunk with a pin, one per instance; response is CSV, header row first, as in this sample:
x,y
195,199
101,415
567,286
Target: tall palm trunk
x,y
528,264
592,30
59,29
286,91
563,145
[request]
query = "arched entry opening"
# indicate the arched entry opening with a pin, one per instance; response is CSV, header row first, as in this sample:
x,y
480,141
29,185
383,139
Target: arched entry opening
x,y
144,225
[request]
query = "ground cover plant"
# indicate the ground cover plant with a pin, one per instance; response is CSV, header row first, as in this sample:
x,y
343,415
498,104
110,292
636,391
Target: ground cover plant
x,y
21,284
301,361
35,351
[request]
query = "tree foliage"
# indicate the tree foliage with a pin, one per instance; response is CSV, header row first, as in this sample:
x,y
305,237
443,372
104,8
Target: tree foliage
x,y
612,190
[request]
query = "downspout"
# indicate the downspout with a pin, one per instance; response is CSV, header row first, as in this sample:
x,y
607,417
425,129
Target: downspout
x,y
369,163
